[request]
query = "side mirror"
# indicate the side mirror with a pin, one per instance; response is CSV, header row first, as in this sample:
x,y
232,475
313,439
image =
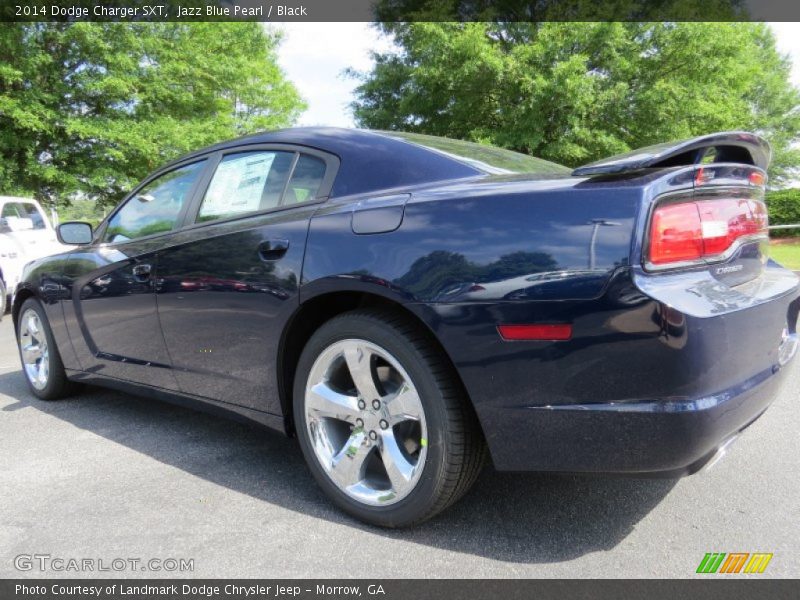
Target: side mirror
x,y
74,232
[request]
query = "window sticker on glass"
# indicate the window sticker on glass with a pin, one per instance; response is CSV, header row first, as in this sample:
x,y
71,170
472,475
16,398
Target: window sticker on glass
x,y
238,184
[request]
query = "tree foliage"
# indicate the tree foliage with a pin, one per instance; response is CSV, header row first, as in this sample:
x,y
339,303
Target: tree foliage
x,y
784,209
93,107
576,92
560,10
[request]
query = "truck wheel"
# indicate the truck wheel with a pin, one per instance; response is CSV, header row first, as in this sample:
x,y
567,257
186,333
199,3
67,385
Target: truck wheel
x,y
383,423
41,361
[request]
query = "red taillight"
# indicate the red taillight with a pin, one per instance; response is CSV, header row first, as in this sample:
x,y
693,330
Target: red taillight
x,y
706,229
549,332
757,178
676,234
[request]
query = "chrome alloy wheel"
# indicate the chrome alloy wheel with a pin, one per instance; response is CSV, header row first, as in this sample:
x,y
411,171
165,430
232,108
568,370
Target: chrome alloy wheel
x,y
365,422
33,348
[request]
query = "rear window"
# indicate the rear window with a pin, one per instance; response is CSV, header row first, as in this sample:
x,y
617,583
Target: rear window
x,y
488,159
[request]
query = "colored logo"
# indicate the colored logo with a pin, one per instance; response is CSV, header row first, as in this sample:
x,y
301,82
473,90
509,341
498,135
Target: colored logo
x,y
734,562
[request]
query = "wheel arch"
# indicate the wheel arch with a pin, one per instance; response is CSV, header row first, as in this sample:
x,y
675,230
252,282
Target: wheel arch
x,y
20,295
316,311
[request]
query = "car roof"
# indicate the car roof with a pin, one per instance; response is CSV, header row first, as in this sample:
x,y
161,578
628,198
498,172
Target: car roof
x,y
331,139
370,161
15,199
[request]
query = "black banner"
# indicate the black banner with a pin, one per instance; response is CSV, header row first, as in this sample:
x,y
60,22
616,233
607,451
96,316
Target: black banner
x,y
398,10
395,589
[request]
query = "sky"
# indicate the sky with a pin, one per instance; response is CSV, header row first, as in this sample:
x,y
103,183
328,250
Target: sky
x,y
315,56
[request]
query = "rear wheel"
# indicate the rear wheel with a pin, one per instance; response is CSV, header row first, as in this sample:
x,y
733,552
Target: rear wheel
x,y
41,361
382,421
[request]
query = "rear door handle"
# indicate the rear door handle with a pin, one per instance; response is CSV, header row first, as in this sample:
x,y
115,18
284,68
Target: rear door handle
x,y
272,249
142,272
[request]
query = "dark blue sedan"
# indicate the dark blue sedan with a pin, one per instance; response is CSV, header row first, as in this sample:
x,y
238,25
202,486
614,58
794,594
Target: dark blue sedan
x,y
408,305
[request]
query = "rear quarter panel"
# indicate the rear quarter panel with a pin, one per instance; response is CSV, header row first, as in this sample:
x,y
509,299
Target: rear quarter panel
x,y
470,257
495,234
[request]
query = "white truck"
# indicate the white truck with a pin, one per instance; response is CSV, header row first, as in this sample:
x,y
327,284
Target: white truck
x,y
25,235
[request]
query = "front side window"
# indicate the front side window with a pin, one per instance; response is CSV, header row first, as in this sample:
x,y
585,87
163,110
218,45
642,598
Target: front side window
x,y
156,207
246,182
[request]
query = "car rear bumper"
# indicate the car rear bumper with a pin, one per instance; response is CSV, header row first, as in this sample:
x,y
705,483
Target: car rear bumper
x,y
657,438
658,375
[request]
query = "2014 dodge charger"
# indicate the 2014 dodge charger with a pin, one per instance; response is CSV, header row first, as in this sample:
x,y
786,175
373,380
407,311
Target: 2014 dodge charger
x,y
402,302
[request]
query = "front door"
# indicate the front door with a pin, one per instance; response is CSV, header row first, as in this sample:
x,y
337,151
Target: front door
x,y
112,317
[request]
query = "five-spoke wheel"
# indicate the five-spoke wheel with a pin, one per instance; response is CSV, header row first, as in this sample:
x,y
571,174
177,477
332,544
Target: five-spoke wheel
x,y
382,420
41,361
366,421
33,349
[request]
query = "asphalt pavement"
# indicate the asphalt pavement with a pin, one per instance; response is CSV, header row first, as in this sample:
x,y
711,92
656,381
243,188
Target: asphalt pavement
x,y
107,476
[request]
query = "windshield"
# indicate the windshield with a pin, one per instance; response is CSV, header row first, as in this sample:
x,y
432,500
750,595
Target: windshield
x,y
488,159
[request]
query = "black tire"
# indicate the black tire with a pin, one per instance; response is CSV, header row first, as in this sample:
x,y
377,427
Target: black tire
x,y
456,450
57,386
3,299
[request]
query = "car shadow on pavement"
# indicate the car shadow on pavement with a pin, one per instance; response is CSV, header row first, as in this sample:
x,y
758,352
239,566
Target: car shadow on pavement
x,y
510,517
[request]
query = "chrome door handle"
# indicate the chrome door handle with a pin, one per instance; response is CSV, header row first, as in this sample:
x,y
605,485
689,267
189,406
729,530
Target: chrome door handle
x,y
142,272
272,249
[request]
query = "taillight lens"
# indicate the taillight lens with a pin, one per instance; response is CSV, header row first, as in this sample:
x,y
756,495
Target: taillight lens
x,y
676,234
703,230
557,332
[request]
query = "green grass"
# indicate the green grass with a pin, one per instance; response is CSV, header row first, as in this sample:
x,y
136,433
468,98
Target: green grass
x,y
787,254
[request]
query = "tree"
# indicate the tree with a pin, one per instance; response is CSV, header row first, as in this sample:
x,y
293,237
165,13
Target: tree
x,y
784,209
90,108
576,92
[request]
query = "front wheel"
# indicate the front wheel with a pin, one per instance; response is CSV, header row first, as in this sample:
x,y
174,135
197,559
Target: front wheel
x,y
382,421
41,361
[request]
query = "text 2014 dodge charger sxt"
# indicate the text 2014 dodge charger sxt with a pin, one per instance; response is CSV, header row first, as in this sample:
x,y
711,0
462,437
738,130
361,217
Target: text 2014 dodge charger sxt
x,y
401,302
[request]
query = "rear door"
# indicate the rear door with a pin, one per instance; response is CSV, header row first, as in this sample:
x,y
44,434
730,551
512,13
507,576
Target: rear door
x,y
227,289
112,317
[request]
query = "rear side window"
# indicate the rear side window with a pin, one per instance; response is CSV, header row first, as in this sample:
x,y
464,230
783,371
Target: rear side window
x,y
156,207
306,179
246,182
22,210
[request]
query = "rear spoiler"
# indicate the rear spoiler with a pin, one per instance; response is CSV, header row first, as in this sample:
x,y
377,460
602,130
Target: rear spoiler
x,y
729,147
